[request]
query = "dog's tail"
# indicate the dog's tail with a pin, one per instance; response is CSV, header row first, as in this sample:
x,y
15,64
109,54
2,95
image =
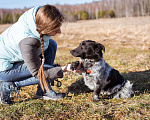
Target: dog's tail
x,y
126,91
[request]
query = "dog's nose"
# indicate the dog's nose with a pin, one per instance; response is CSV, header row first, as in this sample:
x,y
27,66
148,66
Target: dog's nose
x,y
72,51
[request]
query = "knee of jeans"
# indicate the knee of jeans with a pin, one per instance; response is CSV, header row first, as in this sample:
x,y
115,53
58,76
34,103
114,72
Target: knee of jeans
x,y
53,43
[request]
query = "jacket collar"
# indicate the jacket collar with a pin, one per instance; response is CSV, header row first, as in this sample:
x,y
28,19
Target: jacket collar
x,y
32,22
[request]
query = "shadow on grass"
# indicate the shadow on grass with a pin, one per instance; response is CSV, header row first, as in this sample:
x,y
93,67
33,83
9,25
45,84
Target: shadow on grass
x,y
140,80
78,87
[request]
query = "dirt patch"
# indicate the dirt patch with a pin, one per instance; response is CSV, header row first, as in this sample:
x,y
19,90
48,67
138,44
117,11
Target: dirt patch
x,y
3,27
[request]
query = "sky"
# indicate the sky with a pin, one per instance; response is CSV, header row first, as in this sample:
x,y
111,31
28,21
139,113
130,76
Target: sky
x,y
10,4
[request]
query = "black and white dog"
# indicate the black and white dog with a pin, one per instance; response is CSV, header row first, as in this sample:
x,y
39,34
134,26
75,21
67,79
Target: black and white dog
x,y
98,75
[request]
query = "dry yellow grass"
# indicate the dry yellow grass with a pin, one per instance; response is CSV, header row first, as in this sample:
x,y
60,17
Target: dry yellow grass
x,y
130,32
127,32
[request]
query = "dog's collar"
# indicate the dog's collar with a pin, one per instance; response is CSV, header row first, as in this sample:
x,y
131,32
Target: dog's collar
x,y
88,71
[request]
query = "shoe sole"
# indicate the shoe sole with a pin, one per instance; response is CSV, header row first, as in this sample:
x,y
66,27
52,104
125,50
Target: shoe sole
x,y
45,98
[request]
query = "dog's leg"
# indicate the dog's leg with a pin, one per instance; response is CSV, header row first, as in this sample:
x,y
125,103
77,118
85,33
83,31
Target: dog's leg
x,y
97,92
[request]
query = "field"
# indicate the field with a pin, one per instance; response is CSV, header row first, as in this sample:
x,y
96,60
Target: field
x,y
127,44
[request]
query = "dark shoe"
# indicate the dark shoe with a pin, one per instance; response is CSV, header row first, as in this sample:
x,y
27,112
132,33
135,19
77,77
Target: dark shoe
x,y
6,91
39,93
50,95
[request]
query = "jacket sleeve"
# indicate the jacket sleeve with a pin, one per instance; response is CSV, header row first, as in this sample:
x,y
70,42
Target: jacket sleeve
x,y
29,50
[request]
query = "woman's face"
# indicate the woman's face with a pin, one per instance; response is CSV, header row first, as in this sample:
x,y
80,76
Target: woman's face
x,y
56,31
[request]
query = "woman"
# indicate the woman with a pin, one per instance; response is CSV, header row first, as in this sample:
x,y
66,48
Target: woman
x,y
27,53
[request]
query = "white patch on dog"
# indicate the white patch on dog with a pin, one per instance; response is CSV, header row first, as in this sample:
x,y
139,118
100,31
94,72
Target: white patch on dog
x,y
126,91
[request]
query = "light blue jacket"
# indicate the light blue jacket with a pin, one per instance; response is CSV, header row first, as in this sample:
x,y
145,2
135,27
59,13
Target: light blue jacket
x,y
10,38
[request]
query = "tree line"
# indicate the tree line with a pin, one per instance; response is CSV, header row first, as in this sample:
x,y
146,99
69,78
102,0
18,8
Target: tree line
x,y
9,16
94,10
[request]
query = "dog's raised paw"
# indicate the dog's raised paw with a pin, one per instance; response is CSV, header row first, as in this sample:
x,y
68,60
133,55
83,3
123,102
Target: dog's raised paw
x,y
74,65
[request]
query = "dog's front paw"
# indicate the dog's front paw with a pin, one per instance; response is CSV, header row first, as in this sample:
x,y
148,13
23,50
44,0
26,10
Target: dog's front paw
x,y
96,98
74,65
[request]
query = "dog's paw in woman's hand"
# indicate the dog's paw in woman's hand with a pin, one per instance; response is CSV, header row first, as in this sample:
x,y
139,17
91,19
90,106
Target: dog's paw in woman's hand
x,y
74,65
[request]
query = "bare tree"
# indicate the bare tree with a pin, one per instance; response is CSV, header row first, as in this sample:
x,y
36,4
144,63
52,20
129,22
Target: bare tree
x,y
13,17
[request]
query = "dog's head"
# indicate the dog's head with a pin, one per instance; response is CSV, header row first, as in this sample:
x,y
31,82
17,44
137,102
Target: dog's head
x,y
88,49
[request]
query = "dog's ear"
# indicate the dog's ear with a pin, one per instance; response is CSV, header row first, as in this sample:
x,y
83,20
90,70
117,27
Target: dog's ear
x,y
100,47
98,50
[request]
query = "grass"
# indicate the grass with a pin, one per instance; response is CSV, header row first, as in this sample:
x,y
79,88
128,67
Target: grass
x,y
127,44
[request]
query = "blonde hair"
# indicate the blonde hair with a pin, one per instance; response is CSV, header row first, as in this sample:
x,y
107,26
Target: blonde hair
x,y
48,19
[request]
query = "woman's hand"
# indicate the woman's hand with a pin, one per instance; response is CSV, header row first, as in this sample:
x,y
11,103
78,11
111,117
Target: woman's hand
x,y
67,68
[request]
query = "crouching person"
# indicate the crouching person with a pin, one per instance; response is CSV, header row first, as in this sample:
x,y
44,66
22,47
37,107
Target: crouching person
x,y
27,53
